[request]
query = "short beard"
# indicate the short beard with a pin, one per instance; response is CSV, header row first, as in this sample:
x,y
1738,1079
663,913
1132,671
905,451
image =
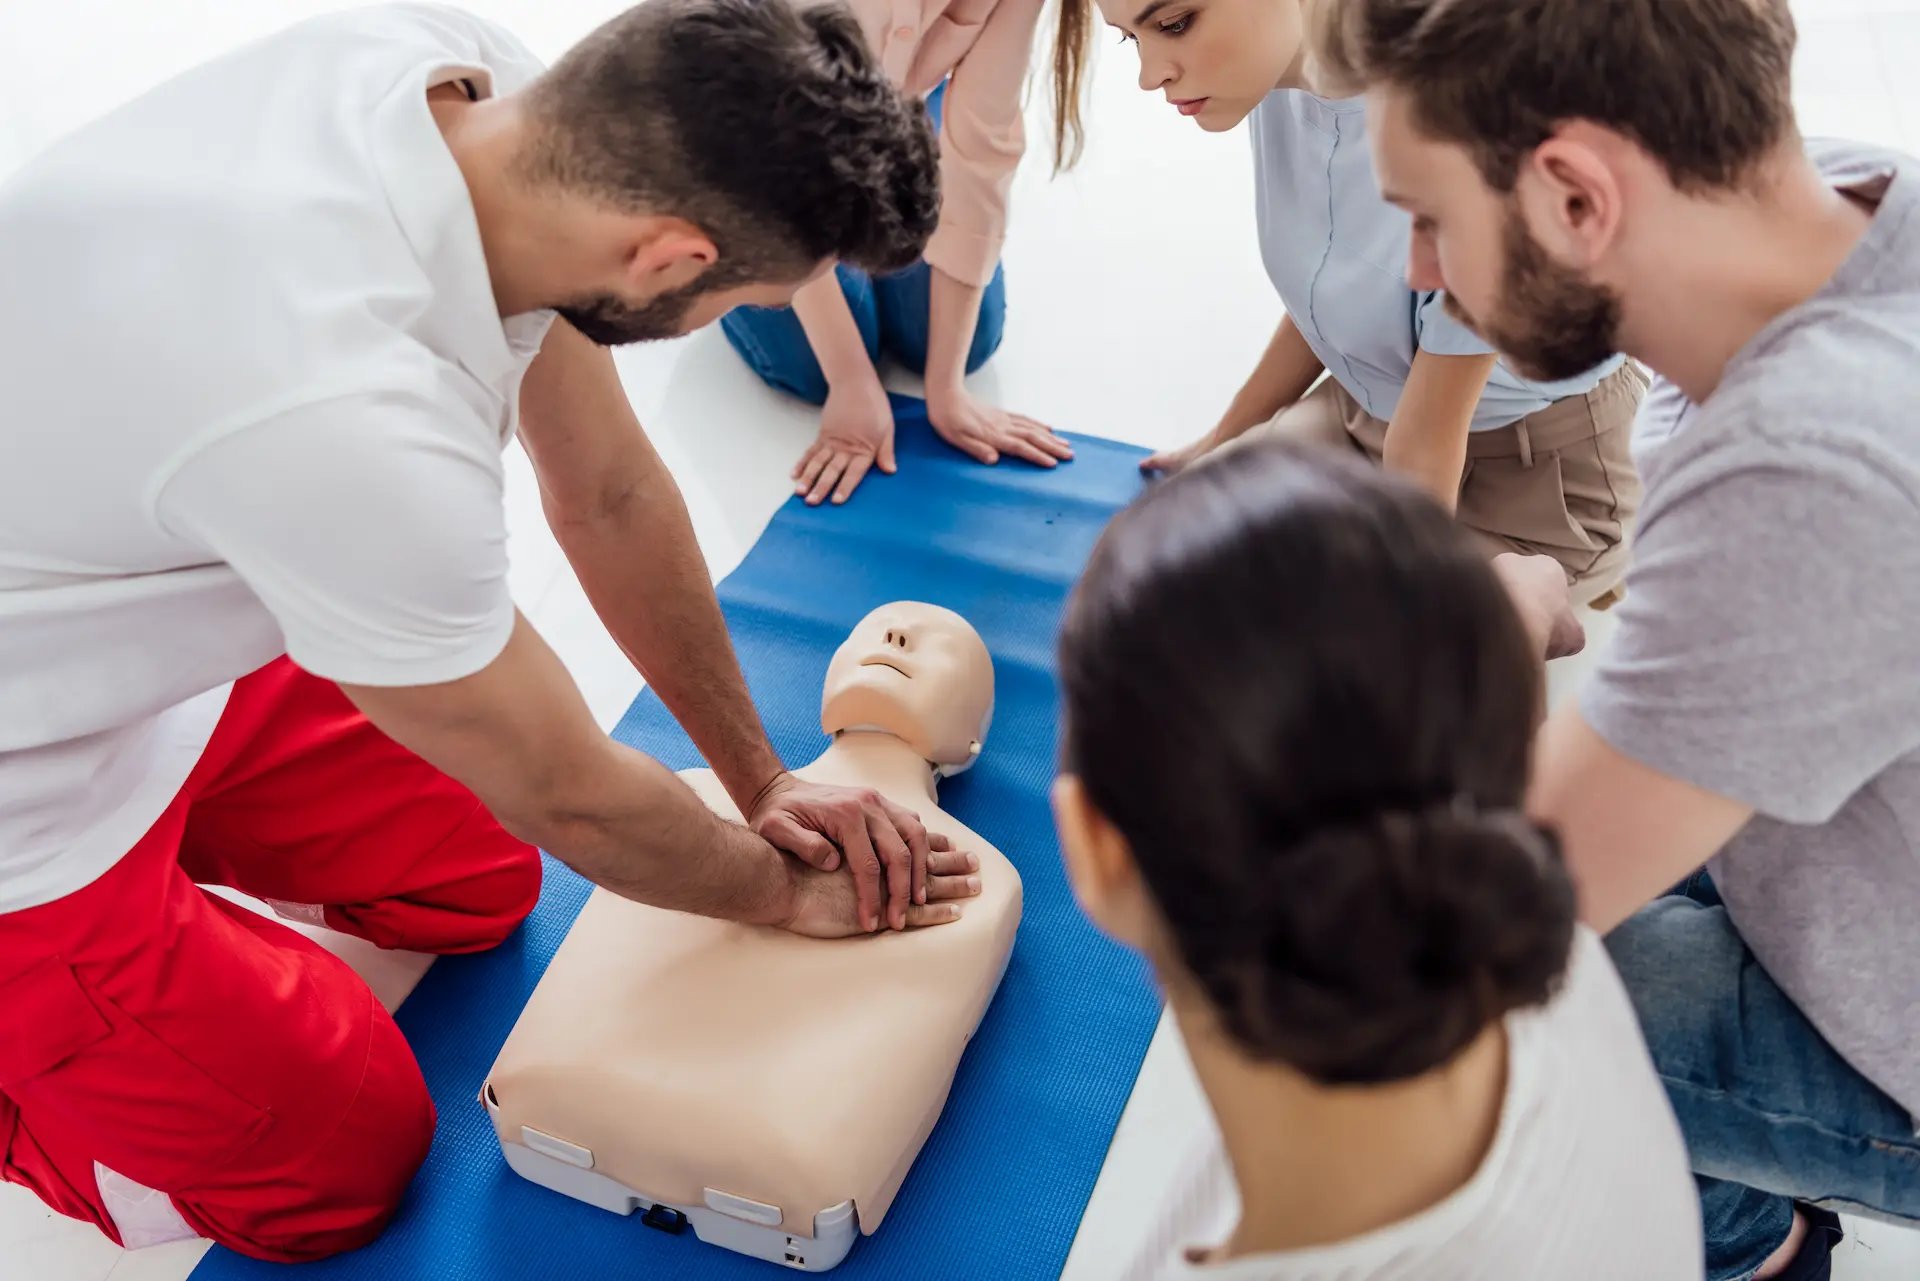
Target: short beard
x,y
1552,324
609,322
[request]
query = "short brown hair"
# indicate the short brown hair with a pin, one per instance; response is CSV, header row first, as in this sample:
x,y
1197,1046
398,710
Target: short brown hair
x,y
1702,85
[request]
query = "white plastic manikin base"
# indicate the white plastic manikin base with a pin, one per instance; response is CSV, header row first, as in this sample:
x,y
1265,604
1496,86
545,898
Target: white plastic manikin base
x,y
834,1230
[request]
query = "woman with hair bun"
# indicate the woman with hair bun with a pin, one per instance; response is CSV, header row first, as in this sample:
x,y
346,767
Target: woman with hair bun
x,y
1298,716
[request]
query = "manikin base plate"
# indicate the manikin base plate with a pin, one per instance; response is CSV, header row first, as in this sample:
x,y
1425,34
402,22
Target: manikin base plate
x,y
834,1230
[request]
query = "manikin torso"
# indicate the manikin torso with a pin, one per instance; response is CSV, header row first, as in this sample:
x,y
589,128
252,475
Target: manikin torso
x,y
689,1054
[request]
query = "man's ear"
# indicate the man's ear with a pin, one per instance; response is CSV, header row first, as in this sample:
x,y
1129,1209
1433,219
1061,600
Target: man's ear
x,y
664,254
1100,865
1570,193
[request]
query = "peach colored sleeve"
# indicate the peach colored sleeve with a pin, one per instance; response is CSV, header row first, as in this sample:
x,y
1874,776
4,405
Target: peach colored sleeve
x,y
981,141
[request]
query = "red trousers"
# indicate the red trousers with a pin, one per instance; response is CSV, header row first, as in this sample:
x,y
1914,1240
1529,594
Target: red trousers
x,y
214,1055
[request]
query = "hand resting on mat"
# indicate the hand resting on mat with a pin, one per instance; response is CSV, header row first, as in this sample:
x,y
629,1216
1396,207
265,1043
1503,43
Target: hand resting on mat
x,y
985,432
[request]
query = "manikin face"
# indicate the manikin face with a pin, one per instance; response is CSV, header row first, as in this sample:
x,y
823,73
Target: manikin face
x,y
918,672
1546,318
1214,60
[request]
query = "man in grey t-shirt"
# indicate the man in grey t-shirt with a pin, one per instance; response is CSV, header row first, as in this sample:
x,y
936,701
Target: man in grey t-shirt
x,y
1605,176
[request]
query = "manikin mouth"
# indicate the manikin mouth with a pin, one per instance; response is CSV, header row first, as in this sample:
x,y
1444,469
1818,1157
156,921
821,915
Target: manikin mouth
x,y
881,662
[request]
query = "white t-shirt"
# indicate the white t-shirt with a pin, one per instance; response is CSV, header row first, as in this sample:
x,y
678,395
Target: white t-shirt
x,y
253,399
1587,1175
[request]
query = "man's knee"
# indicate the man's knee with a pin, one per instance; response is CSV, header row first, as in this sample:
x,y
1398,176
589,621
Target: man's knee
x,y
1680,961
341,1194
487,883
505,894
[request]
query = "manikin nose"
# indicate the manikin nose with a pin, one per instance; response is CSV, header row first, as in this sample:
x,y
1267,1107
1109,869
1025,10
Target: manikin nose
x,y
897,637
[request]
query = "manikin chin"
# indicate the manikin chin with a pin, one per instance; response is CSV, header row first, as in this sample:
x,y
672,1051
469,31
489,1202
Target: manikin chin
x,y
766,1090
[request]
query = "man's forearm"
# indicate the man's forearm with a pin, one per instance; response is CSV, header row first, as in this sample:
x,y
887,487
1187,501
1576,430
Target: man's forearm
x,y
644,573
626,822
621,521
1286,371
519,735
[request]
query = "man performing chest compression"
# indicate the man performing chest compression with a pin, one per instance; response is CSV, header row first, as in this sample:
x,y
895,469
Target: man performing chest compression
x,y
269,328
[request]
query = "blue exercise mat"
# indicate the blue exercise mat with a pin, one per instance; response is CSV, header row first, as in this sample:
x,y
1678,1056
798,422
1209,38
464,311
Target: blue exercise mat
x,y
999,1189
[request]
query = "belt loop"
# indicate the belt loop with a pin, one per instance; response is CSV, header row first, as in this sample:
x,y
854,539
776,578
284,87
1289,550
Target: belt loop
x,y
1525,439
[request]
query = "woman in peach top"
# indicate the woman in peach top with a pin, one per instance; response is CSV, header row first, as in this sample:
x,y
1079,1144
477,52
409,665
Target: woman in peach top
x,y
944,315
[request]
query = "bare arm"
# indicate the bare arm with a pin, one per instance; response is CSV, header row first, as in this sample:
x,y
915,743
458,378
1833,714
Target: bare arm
x,y
1427,439
823,312
518,734
1629,831
1286,371
621,521
986,432
953,317
1284,374
856,421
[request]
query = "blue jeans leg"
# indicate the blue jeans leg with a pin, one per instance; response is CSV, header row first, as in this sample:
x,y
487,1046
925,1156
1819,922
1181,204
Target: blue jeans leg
x,y
772,342
1772,1114
906,305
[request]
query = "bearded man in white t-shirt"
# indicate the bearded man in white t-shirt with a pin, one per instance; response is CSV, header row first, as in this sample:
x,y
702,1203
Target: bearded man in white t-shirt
x,y
267,331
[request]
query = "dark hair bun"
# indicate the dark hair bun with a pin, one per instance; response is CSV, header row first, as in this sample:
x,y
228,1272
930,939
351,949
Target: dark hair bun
x,y
1382,946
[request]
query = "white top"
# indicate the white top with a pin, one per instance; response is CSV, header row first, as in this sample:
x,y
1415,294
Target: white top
x,y
255,395
1587,1175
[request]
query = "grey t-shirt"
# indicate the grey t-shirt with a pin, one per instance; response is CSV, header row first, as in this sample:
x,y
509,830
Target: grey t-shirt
x,y
1769,649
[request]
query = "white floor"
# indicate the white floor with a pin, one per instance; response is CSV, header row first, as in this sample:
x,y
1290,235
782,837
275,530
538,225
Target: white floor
x,y
1158,215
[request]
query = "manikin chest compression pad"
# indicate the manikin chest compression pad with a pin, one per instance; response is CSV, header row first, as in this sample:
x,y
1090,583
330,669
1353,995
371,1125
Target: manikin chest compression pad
x,y
999,1189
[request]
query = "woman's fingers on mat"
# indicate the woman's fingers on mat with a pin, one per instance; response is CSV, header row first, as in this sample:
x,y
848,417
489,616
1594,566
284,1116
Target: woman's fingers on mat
x,y
1048,439
811,466
1050,444
829,476
855,473
1022,448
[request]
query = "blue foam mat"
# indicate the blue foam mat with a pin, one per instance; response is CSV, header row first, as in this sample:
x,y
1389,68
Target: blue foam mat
x,y
999,1189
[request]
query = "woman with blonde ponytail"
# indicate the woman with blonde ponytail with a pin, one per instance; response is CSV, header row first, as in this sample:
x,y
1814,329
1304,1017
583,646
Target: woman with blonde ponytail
x,y
1370,358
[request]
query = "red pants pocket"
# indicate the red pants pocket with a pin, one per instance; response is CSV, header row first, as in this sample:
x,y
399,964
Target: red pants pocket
x,y
85,1075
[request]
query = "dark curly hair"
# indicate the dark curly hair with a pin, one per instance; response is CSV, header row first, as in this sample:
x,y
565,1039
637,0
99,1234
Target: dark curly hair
x,y
768,125
1306,702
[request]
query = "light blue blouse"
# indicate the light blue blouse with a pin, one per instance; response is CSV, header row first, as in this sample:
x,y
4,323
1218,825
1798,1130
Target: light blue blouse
x,y
1337,253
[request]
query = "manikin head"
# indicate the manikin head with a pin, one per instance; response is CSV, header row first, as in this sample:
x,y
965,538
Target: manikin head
x,y
1559,156
691,156
918,672
1214,60
1298,711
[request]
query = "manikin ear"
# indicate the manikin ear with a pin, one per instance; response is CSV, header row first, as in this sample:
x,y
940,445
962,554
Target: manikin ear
x,y
1100,866
1571,194
664,254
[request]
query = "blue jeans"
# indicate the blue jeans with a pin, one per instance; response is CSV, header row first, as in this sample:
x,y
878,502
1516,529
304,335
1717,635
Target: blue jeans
x,y
1772,1114
891,311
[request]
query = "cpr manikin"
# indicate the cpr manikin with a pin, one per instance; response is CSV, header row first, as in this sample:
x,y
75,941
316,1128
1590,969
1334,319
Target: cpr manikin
x,y
767,1089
